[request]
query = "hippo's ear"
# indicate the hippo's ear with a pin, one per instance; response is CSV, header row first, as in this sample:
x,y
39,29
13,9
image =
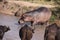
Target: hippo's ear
x,y
8,28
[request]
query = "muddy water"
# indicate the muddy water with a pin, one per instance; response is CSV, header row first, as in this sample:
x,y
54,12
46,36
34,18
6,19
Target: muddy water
x,y
13,34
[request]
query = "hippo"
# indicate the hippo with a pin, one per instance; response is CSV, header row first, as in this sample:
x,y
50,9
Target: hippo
x,y
26,33
3,29
51,32
40,15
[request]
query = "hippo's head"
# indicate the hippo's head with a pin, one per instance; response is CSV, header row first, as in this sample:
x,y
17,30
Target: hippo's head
x,y
25,18
6,29
3,29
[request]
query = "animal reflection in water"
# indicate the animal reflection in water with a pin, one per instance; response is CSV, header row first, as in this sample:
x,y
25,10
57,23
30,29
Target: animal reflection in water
x,y
26,32
3,29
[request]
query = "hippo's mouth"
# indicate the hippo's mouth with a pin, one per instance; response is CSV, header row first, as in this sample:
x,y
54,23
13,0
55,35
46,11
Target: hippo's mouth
x,y
21,21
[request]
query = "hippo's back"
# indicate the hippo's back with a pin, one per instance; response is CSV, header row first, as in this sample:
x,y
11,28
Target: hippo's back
x,y
41,14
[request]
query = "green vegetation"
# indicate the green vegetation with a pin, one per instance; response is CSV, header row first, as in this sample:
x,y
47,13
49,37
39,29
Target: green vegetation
x,y
52,19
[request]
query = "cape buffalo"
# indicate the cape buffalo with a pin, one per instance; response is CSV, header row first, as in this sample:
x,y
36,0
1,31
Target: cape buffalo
x,y
26,33
3,29
51,32
40,15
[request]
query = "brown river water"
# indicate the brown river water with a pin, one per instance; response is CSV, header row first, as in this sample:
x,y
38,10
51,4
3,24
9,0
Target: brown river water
x,y
13,34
